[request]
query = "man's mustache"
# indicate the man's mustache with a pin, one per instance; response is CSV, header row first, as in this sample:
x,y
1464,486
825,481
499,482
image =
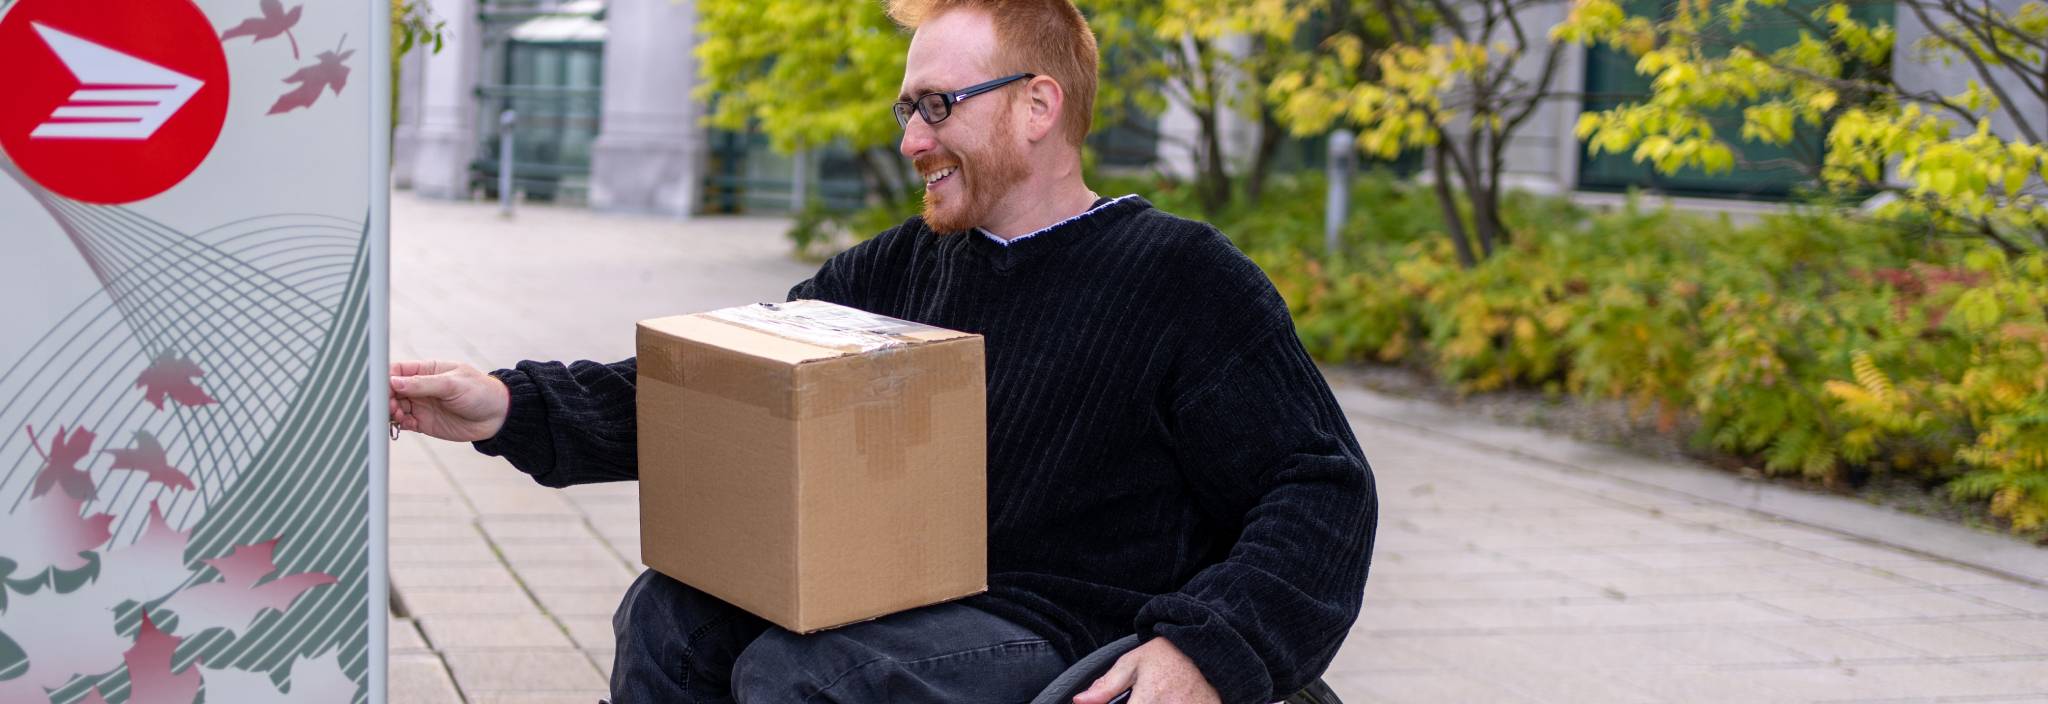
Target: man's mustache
x,y
933,162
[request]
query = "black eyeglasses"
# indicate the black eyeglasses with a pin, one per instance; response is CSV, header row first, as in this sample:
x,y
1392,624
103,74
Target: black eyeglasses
x,y
936,107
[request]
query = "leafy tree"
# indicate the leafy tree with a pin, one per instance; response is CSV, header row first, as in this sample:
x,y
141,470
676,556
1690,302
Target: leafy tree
x,y
808,73
1967,160
1457,77
1209,57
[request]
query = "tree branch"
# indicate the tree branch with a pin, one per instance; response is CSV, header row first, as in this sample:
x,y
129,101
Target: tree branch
x,y
2004,101
1875,87
1990,42
1451,18
1987,15
1553,57
1980,226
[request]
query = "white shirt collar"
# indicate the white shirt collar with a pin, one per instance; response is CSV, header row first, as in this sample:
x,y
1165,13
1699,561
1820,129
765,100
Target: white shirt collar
x,y
1036,232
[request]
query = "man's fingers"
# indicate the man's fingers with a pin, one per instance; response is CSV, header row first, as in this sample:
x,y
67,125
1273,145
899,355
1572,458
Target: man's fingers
x,y
431,386
1112,683
422,367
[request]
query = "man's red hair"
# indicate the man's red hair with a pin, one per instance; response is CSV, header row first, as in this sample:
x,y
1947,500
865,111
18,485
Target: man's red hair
x,y
1045,37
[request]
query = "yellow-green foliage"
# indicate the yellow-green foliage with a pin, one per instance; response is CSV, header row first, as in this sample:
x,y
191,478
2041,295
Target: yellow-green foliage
x,y
1935,150
1976,381
806,73
1817,346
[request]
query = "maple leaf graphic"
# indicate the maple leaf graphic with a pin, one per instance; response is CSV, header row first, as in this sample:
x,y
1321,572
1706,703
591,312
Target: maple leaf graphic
x,y
63,636
49,531
275,21
69,634
235,601
60,466
148,568
148,457
171,377
316,680
150,680
329,73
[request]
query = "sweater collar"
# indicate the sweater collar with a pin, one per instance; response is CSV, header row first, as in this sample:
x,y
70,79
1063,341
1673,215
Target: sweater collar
x,y
1098,205
1106,213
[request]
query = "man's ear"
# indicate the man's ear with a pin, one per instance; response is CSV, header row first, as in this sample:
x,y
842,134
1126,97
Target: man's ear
x,y
1043,100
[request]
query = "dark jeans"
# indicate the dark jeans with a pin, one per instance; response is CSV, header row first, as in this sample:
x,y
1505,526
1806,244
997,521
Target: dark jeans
x,y
677,644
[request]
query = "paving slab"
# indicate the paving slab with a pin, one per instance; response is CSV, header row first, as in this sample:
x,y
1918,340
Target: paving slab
x,y
1512,565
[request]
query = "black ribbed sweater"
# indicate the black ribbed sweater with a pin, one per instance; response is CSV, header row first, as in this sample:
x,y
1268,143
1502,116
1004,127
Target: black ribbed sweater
x,y
1163,456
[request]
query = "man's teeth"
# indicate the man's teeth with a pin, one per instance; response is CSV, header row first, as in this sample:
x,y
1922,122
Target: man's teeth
x,y
941,173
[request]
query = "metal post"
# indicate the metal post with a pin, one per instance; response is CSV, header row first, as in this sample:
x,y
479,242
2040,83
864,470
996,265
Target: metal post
x,y
1343,151
799,180
506,120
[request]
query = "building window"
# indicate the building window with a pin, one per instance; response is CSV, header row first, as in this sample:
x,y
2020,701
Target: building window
x,y
550,71
1611,80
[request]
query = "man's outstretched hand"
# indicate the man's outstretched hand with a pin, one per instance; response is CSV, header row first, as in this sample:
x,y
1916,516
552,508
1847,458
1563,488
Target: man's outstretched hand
x,y
1155,673
447,400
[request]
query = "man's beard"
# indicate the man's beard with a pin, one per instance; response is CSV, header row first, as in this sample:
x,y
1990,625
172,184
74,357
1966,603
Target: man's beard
x,y
991,176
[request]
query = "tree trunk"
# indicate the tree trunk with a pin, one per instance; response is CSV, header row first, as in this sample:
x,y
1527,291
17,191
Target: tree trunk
x,y
1484,194
1494,167
1270,135
1215,178
1485,220
1454,222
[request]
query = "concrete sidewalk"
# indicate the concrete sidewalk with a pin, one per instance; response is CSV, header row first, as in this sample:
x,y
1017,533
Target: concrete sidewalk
x,y
1510,567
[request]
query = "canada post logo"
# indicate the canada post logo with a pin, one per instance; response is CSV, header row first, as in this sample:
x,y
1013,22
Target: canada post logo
x,y
118,97
116,101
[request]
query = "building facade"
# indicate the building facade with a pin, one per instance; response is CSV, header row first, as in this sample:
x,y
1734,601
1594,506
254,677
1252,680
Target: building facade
x,y
602,91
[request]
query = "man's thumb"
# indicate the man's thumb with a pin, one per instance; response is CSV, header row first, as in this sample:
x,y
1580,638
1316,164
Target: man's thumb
x,y
1117,681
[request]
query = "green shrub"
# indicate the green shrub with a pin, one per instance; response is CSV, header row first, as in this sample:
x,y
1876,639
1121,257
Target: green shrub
x,y
1817,346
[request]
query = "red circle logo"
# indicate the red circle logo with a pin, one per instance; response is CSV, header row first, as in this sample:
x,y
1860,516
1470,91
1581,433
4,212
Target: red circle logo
x,y
111,101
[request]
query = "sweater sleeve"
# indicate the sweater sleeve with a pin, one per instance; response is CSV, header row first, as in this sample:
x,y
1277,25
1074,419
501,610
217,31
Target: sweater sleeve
x,y
569,423
1263,441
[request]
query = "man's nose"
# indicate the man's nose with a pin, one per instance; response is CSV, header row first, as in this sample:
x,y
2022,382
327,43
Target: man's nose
x,y
918,137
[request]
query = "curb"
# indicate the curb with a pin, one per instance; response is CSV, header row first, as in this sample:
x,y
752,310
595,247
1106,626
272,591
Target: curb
x,y
1927,537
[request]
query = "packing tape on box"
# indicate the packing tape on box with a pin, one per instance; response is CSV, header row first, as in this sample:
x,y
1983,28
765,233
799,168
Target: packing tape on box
x,y
873,379
754,382
871,392
890,398
824,325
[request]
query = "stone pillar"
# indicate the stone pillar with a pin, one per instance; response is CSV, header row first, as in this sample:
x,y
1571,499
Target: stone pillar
x,y
442,141
405,133
649,153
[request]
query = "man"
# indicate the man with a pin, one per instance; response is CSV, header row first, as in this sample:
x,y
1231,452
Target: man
x,y
1164,458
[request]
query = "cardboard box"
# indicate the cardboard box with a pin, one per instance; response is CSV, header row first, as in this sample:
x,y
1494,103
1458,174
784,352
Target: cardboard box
x,y
811,463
